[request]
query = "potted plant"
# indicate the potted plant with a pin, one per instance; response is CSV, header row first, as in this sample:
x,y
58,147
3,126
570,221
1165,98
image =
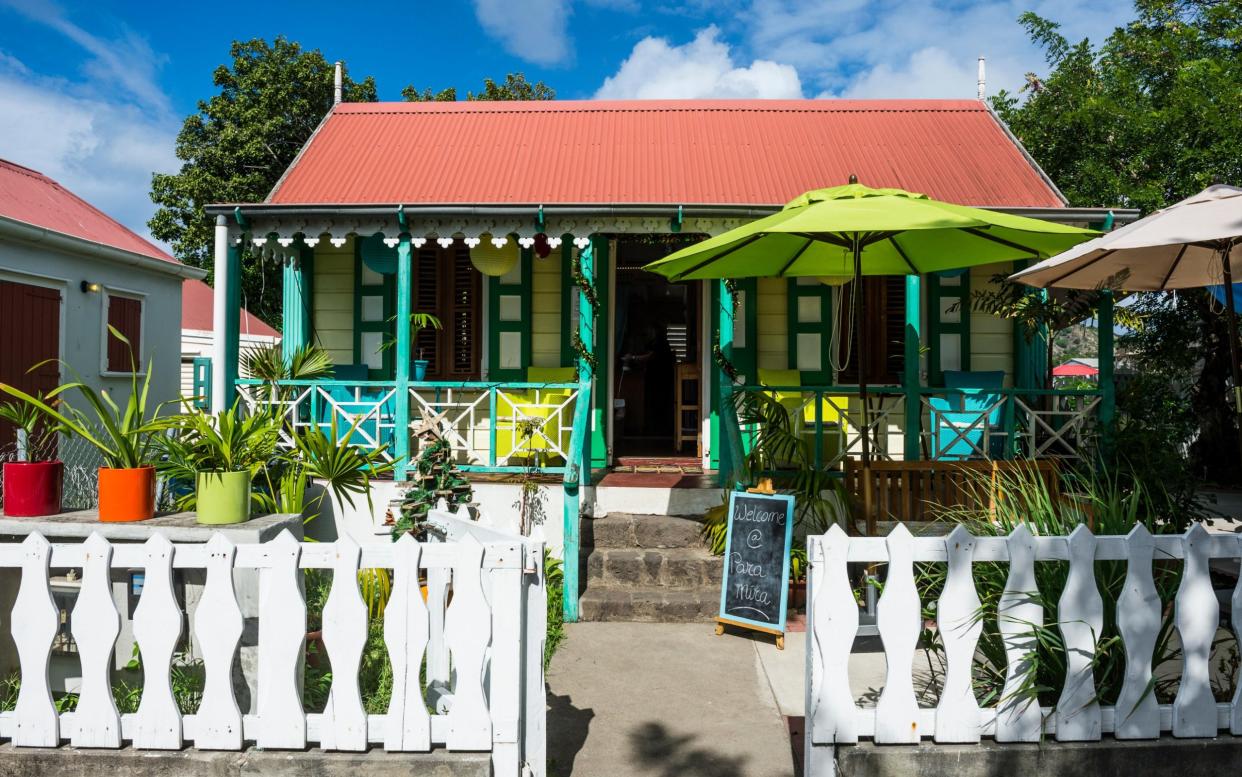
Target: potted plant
x,y
418,322
34,482
220,454
123,436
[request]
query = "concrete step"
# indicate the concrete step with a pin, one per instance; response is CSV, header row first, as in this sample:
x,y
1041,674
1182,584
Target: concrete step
x,y
670,567
623,530
649,604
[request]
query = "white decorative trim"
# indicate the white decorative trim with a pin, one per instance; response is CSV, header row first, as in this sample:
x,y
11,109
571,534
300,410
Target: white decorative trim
x,y
525,242
392,242
338,241
500,242
418,242
310,242
258,241
285,242
471,242
445,242
554,242
582,242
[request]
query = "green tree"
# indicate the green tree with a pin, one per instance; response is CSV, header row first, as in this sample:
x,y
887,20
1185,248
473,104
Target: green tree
x,y
1142,120
234,148
515,87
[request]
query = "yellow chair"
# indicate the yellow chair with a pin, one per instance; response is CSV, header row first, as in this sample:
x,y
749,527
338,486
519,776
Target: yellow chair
x,y
546,407
801,409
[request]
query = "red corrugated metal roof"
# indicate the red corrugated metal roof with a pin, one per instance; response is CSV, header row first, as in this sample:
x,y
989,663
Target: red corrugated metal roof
x,y
726,152
198,311
31,197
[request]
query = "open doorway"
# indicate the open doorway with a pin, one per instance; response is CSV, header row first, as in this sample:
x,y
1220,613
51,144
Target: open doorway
x,y
658,338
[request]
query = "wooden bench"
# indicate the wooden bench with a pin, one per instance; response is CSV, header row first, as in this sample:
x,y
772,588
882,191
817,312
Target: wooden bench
x,y
921,490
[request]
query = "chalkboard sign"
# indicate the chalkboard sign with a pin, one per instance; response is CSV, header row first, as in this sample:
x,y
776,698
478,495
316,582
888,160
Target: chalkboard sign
x,y
756,571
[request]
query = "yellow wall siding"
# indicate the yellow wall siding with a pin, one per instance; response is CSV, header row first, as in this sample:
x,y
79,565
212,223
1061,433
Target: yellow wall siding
x,y
333,308
991,337
772,323
545,341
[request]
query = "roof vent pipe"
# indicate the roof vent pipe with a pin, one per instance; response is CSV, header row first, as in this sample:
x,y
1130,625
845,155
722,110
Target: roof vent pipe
x,y
337,81
983,79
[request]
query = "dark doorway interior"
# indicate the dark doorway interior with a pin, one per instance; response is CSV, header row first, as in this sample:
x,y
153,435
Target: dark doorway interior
x,y
657,336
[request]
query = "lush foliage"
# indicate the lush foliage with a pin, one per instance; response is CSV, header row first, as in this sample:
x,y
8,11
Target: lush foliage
x,y
1145,119
270,97
554,581
268,363
124,437
514,87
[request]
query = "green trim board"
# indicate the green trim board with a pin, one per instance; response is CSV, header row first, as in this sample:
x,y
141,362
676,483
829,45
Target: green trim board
x,y
602,274
230,330
810,317
386,293
948,320
509,316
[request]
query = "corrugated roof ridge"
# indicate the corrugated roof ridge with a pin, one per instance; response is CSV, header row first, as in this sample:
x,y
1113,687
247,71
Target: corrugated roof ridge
x,y
831,105
23,170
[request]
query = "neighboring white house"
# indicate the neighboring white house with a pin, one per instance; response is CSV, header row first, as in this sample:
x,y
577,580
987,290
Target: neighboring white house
x,y
198,335
67,270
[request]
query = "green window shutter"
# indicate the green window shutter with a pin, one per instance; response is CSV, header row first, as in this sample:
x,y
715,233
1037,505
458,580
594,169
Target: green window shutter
x,y
509,321
745,329
375,301
948,324
810,328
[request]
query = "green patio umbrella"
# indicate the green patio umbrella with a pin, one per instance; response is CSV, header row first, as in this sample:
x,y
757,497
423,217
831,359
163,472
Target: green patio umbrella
x,y
854,230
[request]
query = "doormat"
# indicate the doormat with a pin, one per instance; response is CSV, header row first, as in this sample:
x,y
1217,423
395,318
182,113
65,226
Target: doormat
x,y
659,466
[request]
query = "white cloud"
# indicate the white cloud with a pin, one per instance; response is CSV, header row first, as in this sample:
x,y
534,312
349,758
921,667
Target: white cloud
x,y
704,67
534,30
914,48
101,136
103,151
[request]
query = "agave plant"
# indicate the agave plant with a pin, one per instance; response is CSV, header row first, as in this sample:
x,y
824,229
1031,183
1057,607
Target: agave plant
x,y
124,437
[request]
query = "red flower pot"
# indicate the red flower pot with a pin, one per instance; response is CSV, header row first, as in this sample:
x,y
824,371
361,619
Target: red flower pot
x,y
32,488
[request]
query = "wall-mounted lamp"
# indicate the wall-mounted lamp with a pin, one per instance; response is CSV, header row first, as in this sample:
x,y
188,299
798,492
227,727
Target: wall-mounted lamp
x,y
89,287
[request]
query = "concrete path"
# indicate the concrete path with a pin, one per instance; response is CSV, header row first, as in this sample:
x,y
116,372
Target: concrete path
x,y
662,700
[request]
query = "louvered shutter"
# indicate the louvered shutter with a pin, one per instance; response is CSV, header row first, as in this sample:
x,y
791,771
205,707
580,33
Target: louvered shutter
x,y
885,311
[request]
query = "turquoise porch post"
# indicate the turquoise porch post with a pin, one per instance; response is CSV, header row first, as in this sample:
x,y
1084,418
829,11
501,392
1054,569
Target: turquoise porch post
x,y
910,375
231,326
1108,388
401,371
730,442
295,304
578,462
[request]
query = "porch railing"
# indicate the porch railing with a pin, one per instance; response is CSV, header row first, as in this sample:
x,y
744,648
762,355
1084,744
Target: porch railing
x,y
466,672
490,426
953,713
1019,423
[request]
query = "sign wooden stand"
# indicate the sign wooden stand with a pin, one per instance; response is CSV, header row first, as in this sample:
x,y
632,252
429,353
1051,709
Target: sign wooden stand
x,y
765,487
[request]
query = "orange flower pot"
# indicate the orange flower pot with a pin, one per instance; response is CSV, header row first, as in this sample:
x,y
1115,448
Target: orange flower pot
x,y
126,495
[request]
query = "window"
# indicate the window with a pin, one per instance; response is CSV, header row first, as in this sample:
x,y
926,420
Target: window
x,y
447,286
885,322
125,316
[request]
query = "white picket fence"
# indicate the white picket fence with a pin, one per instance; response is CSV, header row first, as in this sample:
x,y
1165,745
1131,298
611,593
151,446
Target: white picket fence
x,y
833,716
483,651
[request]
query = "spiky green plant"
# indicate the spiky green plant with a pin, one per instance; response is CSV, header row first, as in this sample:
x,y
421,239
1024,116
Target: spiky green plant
x,y
1023,496
38,433
124,437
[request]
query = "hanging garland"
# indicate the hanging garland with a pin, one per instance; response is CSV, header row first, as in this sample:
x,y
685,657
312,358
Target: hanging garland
x,y
588,291
724,364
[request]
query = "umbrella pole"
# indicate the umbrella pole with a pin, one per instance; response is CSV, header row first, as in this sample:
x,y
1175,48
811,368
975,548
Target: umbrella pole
x,y
860,345
1231,319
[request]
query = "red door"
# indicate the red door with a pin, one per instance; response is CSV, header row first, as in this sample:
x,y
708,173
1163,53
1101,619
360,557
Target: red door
x,y
29,334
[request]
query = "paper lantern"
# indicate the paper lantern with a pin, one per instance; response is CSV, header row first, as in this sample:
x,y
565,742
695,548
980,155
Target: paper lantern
x,y
542,249
492,259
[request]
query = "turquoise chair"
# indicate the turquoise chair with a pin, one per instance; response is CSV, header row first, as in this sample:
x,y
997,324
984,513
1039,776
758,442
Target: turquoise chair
x,y
958,426
377,426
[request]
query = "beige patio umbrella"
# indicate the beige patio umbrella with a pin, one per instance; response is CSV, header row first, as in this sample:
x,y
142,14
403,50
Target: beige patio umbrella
x,y
1187,245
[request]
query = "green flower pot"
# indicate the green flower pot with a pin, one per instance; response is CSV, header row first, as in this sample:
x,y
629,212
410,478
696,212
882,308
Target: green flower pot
x,y
223,497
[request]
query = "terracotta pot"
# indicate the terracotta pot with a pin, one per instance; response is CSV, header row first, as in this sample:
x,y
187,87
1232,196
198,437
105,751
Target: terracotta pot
x,y
797,595
126,495
32,488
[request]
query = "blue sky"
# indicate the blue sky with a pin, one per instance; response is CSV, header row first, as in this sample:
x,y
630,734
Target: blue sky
x,y
93,93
